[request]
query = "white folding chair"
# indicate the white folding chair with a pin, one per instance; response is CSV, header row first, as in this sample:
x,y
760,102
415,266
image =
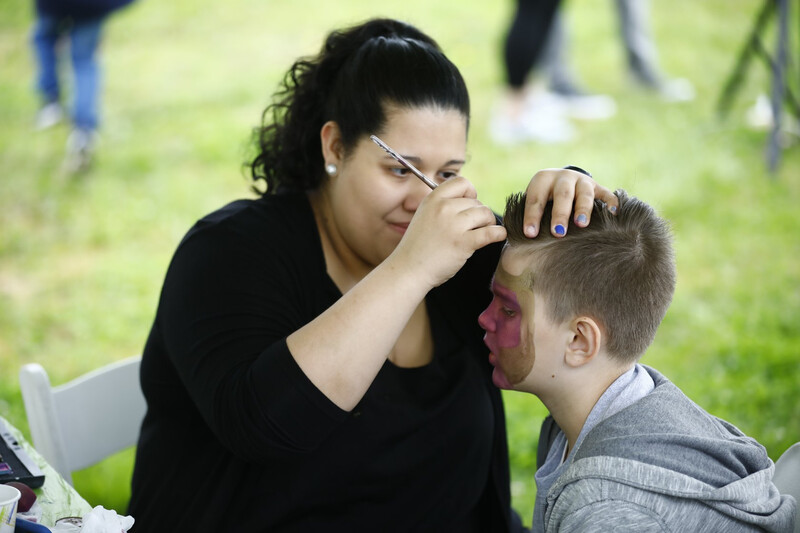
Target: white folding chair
x,y
787,475
79,423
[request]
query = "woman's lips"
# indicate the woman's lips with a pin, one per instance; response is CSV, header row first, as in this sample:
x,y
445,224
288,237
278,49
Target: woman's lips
x,y
399,227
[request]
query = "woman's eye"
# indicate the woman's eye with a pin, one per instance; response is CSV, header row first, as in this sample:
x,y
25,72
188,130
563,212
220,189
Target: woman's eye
x,y
447,174
509,312
400,172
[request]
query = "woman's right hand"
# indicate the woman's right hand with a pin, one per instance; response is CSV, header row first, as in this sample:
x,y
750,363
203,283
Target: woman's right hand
x,y
448,227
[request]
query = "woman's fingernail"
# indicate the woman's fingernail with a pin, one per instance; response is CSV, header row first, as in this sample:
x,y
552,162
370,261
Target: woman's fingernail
x,y
530,231
581,219
560,229
613,209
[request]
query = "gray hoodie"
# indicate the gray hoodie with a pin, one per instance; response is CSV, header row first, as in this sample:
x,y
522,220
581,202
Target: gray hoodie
x,y
664,464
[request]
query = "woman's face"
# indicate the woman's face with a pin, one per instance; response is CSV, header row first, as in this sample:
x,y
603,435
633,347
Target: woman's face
x,y
373,198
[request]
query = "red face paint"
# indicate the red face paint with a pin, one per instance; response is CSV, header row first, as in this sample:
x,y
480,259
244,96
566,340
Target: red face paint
x,y
503,323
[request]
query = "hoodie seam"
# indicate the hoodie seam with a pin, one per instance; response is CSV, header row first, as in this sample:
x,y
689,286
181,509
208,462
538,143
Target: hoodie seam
x,y
606,499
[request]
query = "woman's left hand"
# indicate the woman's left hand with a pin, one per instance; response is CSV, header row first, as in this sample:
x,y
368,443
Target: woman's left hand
x,y
566,188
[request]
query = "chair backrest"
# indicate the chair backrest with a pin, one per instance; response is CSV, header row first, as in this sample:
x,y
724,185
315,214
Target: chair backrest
x,y
81,422
787,475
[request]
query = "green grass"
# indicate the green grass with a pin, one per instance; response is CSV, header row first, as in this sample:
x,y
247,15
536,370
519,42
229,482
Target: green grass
x,y
82,259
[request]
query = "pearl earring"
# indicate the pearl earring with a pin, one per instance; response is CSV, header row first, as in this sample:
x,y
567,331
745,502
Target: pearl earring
x,y
331,169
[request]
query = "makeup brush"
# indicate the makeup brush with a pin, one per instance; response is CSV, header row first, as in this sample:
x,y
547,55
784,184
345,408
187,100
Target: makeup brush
x,y
400,159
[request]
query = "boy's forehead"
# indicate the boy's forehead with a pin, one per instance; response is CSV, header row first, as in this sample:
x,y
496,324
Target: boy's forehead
x,y
513,268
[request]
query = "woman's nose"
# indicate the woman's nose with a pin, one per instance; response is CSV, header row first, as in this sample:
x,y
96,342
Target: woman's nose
x,y
417,191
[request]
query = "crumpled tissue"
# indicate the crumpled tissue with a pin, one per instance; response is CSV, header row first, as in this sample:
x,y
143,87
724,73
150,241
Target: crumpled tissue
x,y
99,520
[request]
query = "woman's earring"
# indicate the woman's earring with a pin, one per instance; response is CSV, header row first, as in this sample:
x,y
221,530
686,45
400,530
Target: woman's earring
x,y
331,169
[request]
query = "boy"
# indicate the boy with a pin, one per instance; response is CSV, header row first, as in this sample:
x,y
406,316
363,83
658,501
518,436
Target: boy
x,y
569,319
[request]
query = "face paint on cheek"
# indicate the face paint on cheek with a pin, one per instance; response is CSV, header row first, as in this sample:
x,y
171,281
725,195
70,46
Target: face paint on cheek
x,y
506,314
517,363
508,338
527,357
508,331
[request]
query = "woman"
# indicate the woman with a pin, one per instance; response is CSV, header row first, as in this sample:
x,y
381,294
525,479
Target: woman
x,y
315,362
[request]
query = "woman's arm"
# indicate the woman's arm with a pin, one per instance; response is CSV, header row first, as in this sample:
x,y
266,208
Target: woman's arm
x,y
342,350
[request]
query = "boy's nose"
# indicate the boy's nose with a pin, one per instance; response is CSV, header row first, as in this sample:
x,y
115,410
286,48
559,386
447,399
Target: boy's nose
x,y
485,321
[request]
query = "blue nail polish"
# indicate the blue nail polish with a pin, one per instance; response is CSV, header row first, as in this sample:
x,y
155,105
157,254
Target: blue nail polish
x,y
560,229
581,219
613,209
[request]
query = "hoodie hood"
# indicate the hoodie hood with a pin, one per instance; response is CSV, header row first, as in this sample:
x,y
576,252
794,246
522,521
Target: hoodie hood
x,y
665,445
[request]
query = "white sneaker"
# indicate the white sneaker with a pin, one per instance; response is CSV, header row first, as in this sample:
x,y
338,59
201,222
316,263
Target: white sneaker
x,y
505,130
541,121
49,115
677,90
760,115
586,106
80,148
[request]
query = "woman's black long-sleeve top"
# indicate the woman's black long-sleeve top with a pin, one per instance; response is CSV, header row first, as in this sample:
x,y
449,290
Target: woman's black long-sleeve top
x,y
237,438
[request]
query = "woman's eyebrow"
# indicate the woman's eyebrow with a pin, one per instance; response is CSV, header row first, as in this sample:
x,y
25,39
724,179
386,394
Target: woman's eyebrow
x,y
418,160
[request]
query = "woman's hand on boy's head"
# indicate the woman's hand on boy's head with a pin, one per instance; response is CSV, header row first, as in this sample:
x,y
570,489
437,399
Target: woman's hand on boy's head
x,y
566,188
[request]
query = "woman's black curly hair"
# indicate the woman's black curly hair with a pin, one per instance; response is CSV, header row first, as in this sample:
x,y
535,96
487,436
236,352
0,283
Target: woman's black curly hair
x,y
358,72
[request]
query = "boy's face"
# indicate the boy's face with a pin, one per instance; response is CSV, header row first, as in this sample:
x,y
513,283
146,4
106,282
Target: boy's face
x,y
518,334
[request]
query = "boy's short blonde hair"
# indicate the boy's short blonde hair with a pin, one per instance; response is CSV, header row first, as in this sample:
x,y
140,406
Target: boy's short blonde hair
x,y
619,270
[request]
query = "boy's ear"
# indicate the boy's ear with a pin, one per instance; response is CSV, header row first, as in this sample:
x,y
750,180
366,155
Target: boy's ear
x,y
585,343
331,139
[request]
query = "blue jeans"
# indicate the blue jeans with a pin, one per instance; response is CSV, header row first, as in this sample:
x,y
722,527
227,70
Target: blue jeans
x,y
84,37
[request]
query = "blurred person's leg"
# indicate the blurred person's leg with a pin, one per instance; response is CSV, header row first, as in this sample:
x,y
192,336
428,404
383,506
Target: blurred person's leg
x,y
640,49
46,34
565,88
84,41
526,39
561,76
642,54
523,47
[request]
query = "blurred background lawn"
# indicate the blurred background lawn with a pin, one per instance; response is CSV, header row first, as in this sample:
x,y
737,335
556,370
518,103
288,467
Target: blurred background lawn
x,y
82,259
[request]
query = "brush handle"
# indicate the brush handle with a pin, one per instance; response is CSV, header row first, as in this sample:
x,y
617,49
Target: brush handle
x,y
400,159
